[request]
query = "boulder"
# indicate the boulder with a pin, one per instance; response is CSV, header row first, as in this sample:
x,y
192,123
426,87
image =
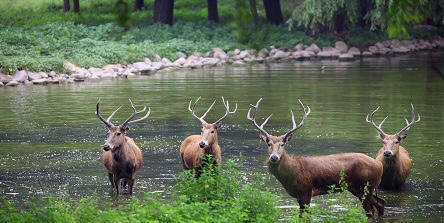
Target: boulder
x,y
367,53
210,61
341,47
279,55
141,66
43,74
354,51
238,63
324,54
236,51
1,84
34,76
179,62
12,83
73,68
373,49
400,49
166,62
346,56
219,53
54,80
314,48
263,53
380,45
40,81
77,76
20,76
243,54
299,47
180,54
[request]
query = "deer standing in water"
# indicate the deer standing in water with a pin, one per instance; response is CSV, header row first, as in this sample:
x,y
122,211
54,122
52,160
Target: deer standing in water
x,y
195,147
121,156
305,177
394,158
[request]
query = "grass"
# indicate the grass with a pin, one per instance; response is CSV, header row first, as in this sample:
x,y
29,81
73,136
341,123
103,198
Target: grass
x,y
221,194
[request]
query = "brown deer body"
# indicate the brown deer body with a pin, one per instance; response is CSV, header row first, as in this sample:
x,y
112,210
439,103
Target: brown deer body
x,y
121,156
196,147
394,158
305,177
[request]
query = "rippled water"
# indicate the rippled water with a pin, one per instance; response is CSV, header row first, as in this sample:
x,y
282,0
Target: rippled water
x,y
50,138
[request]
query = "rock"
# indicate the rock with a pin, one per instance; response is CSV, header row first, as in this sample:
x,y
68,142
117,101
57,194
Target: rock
x,y
238,63
373,49
73,68
341,47
299,47
141,66
114,67
78,76
34,76
52,74
95,71
43,74
314,48
208,54
210,61
55,80
12,83
367,53
346,56
263,53
219,53
1,84
380,45
324,54
400,49
180,54
354,51
40,81
243,54
5,78
179,62
26,82
236,51
156,66
157,58
279,55
20,76
166,62
308,54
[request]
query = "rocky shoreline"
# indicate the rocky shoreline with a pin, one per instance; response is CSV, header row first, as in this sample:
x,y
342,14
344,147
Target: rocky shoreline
x,y
218,57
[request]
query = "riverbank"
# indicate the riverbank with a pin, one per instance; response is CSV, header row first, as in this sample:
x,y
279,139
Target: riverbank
x,y
217,57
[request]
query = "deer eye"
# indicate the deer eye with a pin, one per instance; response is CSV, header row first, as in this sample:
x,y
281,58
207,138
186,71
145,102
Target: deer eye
x,y
118,133
396,142
212,131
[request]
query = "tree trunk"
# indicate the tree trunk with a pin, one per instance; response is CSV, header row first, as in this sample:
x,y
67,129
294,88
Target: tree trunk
x,y
163,11
212,11
76,6
253,10
66,5
138,5
273,11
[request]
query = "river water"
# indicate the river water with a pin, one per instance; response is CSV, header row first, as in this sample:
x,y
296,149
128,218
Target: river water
x,y
50,138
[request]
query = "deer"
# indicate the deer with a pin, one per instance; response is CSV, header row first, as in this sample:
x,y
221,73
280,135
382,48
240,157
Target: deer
x,y
121,156
394,158
306,176
195,149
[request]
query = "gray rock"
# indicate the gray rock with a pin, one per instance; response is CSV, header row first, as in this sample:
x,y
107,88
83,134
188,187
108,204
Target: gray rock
x,y
78,76
367,53
166,62
20,76
243,54
341,47
180,54
208,54
219,53
324,54
1,84
210,61
73,68
40,81
308,54
380,45
157,58
346,56
400,49
27,82
354,51
279,55
52,74
263,53
54,80
95,71
314,48
34,76
12,83
236,51
373,49
141,66
179,62
238,63
299,47
43,74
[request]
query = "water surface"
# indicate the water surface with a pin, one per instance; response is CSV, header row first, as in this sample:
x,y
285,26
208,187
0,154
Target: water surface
x,y
50,138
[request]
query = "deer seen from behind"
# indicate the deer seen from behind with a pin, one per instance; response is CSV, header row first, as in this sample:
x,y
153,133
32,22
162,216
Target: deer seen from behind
x,y
394,158
121,156
195,148
306,176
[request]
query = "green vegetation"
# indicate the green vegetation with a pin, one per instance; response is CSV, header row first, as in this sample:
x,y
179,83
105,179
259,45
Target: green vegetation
x,y
221,194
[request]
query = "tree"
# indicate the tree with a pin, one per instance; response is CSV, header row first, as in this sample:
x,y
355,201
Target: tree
x,y
212,11
66,5
138,5
163,11
253,10
273,11
76,6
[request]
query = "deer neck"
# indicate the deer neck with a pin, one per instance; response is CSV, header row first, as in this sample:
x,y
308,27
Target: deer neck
x,y
119,153
287,169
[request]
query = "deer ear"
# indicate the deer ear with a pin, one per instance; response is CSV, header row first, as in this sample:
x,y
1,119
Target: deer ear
x,y
402,136
218,125
125,129
288,138
263,138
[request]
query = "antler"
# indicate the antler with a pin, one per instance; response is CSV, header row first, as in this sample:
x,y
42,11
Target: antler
x,y
253,119
295,126
414,120
227,111
201,119
107,121
378,128
128,120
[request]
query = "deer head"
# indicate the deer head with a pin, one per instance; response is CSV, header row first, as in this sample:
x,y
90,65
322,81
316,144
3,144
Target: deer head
x,y
208,135
276,144
391,142
116,134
